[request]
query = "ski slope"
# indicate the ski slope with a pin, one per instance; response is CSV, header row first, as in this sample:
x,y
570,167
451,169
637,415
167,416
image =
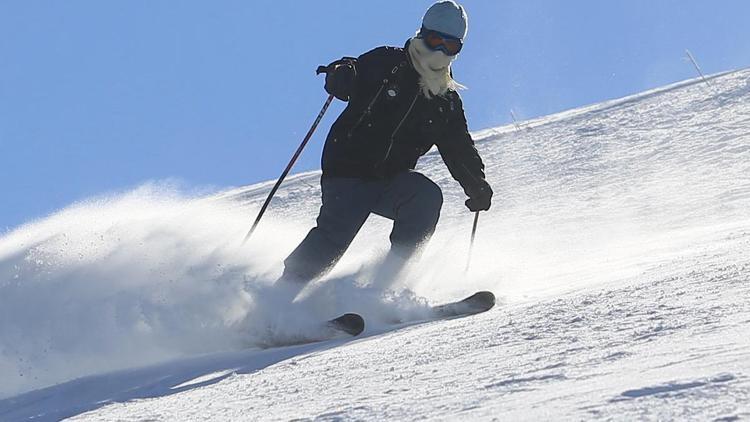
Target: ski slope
x,y
617,243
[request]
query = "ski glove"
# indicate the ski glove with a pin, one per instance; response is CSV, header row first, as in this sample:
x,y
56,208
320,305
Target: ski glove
x,y
340,78
480,199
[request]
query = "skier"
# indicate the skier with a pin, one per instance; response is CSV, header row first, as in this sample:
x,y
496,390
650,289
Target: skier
x,y
402,101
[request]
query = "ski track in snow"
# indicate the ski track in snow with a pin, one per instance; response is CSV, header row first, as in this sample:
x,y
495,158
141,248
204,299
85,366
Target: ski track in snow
x,y
617,242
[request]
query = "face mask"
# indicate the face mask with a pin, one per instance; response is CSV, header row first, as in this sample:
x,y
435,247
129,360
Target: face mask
x,y
434,68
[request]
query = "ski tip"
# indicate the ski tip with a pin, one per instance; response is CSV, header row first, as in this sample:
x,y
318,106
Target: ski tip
x,y
352,324
485,296
475,304
483,300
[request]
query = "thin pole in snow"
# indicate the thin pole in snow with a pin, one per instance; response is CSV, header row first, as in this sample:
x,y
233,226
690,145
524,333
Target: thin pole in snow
x,y
697,68
515,120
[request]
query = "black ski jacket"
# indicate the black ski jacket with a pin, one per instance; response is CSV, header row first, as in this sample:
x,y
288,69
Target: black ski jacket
x,y
388,123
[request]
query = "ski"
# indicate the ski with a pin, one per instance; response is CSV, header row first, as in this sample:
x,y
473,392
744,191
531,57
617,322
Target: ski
x,y
345,326
352,324
475,304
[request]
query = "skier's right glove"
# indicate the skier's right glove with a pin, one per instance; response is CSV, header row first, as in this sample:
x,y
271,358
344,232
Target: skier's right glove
x,y
480,199
340,77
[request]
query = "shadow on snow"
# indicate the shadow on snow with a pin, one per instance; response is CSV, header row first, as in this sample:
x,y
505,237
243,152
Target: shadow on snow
x,y
90,393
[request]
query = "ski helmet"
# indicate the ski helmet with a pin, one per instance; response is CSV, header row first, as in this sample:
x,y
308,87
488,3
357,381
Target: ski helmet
x,y
447,17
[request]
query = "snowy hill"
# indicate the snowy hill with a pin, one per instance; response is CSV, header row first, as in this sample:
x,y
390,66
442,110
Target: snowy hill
x,y
617,244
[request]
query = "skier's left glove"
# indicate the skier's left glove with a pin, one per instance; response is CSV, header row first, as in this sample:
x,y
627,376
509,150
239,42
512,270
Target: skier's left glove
x,y
480,199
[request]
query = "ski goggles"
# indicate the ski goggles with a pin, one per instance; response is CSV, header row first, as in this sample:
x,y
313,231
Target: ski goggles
x,y
439,41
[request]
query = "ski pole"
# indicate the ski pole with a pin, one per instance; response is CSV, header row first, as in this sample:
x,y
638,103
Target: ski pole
x,y
288,167
473,236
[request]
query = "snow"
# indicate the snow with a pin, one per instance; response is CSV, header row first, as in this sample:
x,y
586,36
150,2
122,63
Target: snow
x,y
617,244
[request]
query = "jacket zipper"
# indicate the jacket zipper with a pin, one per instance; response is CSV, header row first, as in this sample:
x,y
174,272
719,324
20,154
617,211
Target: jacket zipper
x,y
393,135
368,110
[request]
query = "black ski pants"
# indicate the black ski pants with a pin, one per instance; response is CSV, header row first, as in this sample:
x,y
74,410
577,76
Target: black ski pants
x,y
410,199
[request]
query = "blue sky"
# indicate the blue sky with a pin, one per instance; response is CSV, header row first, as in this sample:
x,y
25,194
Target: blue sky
x,y
101,96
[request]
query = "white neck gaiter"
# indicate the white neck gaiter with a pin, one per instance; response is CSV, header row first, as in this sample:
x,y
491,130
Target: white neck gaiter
x,y
434,68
